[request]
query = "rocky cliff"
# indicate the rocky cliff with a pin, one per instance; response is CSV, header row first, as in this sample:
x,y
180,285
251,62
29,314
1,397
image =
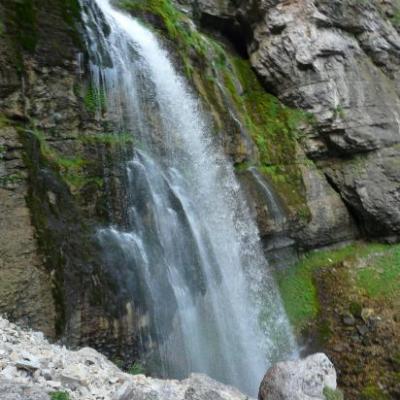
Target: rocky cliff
x,y
59,178
338,60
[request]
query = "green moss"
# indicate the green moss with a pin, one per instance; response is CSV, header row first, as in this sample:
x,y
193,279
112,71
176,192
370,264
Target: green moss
x,y
176,25
355,309
95,99
372,392
72,169
297,286
332,394
11,179
4,121
275,129
243,166
396,16
380,277
71,13
396,19
27,24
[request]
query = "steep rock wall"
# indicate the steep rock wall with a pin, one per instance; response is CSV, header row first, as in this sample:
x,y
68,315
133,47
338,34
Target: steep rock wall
x,y
60,180
340,61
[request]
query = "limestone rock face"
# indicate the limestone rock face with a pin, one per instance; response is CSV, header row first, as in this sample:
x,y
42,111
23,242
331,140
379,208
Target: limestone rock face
x,y
299,380
340,60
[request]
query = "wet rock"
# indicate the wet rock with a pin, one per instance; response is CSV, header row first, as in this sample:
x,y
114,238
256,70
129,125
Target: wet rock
x,y
348,319
299,380
362,330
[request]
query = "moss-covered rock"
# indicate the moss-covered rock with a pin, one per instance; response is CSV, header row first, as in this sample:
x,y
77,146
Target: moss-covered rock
x,y
362,280
60,180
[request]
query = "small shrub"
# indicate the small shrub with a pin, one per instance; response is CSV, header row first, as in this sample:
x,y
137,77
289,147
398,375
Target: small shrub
x,y
136,369
59,396
95,99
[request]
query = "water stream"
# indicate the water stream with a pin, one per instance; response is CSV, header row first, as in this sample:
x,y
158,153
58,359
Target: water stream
x,y
188,237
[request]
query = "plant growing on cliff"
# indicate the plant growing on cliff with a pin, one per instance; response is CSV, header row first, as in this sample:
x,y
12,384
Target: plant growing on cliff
x,y
396,18
95,99
72,169
176,25
136,369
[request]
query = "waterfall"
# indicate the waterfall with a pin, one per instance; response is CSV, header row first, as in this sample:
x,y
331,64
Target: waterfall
x,y
188,239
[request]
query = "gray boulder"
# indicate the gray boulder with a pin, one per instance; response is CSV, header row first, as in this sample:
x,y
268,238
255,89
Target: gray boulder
x,y
299,380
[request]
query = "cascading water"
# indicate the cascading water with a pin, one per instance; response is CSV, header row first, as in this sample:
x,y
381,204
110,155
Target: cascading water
x,y
194,251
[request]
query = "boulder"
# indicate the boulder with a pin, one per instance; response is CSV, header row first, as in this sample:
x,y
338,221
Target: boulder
x,y
299,380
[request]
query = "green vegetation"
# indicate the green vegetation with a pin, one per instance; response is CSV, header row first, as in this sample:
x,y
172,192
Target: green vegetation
x,y
118,362
59,396
71,13
72,169
11,179
339,111
27,24
4,121
378,278
136,369
176,25
372,392
332,394
381,278
396,16
275,129
95,99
